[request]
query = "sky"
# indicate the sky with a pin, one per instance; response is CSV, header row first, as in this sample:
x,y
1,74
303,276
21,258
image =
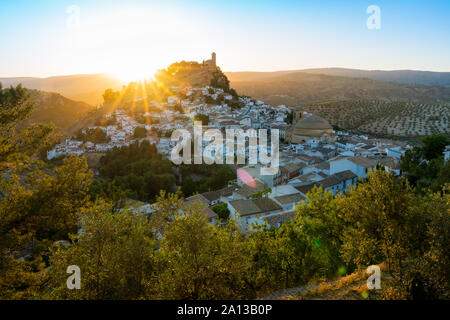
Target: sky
x,y
134,38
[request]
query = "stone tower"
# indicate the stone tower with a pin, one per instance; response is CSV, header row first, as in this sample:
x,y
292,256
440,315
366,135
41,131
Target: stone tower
x,y
298,114
213,59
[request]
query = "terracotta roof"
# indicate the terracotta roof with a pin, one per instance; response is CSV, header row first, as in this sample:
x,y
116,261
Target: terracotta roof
x,y
294,166
247,190
254,206
345,175
363,161
328,182
325,165
306,188
290,198
282,217
215,195
198,198
322,174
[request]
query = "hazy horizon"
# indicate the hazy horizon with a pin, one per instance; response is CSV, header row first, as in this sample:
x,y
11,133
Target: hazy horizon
x,y
225,71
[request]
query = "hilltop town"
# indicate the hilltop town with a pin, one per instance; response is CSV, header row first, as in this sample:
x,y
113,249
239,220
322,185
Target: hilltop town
x,y
311,152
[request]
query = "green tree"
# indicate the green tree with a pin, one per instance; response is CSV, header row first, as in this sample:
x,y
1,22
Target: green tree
x,y
115,253
110,96
222,211
425,166
202,261
281,258
434,146
36,206
140,132
203,118
318,218
386,222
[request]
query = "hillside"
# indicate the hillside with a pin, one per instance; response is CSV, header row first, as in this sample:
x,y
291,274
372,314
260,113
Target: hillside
x,y
192,74
385,118
428,78
302,88
53,107
83,87
349,287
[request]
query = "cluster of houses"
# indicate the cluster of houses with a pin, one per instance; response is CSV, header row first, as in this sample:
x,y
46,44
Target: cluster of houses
x,y
334,164
119,134
253,113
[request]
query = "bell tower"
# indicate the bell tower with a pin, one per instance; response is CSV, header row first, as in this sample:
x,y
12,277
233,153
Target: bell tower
x,y
213,59
298,114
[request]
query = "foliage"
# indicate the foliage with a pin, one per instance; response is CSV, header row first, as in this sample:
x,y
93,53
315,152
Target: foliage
x,y
425,166
319,219
137,169
110,96
204,118
220,81
434,146
222,211
140,132
216,177
385,221
95,135
200,260
262,193
210,100
289,118
115,252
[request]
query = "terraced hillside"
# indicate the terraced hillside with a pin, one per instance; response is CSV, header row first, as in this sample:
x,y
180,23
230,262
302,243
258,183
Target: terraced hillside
x,y
304,88
385,118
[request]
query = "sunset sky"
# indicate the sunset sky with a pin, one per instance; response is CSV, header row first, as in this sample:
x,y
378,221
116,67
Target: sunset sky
x,y
133,39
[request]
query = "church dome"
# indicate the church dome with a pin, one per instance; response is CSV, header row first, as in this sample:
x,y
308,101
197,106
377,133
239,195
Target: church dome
x,y
313,122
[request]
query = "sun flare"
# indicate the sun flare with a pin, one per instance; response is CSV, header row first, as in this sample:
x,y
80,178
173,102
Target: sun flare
x,y
128,73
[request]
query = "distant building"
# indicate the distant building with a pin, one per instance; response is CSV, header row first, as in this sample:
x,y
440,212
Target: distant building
x,y
358,165
210,63
395,152
447,153
251,211
310,127
339,182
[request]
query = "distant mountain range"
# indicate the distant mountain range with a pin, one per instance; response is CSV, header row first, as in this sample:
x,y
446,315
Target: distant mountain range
x,y
279,87
84,87
428,78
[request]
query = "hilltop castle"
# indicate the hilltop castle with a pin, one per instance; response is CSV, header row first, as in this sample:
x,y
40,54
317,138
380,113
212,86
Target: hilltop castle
x,y
210,64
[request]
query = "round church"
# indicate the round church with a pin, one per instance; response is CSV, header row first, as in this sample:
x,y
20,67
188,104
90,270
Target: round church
x,y
309,127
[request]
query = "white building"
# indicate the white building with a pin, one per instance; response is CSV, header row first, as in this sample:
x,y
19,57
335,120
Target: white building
x,y
447,153
358,165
